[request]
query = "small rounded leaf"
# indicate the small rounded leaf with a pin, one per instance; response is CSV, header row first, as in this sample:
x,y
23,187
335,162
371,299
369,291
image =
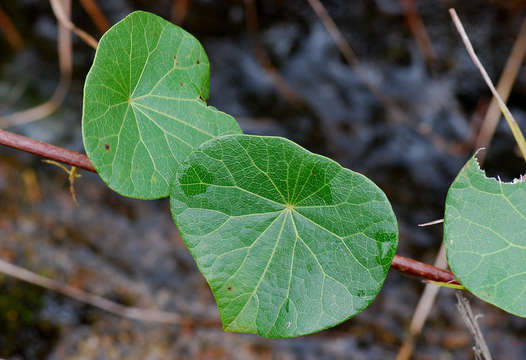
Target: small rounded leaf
x,y
290,242
144,105
485,235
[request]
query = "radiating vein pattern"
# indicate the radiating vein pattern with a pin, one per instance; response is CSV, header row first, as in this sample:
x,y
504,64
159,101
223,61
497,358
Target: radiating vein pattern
x,y
144,105
485,234
290,242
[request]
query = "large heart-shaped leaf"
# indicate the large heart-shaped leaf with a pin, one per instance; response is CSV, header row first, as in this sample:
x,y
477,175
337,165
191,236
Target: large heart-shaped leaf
x,y
144,105
289,241
485,234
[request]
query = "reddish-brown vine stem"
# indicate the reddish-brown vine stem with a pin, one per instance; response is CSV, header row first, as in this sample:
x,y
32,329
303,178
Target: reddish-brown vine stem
x,y
423,270
45,150
402,264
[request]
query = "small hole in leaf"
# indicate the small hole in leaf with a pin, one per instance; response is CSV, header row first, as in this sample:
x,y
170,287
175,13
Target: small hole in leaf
x,y
107,147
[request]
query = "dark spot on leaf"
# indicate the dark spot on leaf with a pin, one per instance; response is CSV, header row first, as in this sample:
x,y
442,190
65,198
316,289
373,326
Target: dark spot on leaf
x,y
311,174
182,84
107,147
197,62
229,288
200,97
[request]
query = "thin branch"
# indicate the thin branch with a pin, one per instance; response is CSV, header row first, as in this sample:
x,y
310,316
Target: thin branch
x,y
398,115
180,9
129,312
65,59
481,348
19,142
10,31
507,78
417,27
516,131
91,299
64,20
281,85
96,14
347,51
434,222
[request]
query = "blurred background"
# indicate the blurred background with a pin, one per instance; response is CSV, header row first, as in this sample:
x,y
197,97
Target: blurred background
x,y
396,97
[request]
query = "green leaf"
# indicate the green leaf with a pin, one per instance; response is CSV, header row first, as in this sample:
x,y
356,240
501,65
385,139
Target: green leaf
x,y
485,234
144,105
289,241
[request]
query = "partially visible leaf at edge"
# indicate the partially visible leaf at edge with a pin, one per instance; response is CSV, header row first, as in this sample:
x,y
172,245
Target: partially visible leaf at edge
x,y
290,242
144,105
485,234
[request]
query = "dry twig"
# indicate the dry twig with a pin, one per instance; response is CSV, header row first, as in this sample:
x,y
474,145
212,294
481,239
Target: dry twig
x,y
434,222
65,56
283,87
96,14
347,51
398,115
481,348
10,31
515,129
179,10
507,78
130,312
274,76
64,19
87,298
417,27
